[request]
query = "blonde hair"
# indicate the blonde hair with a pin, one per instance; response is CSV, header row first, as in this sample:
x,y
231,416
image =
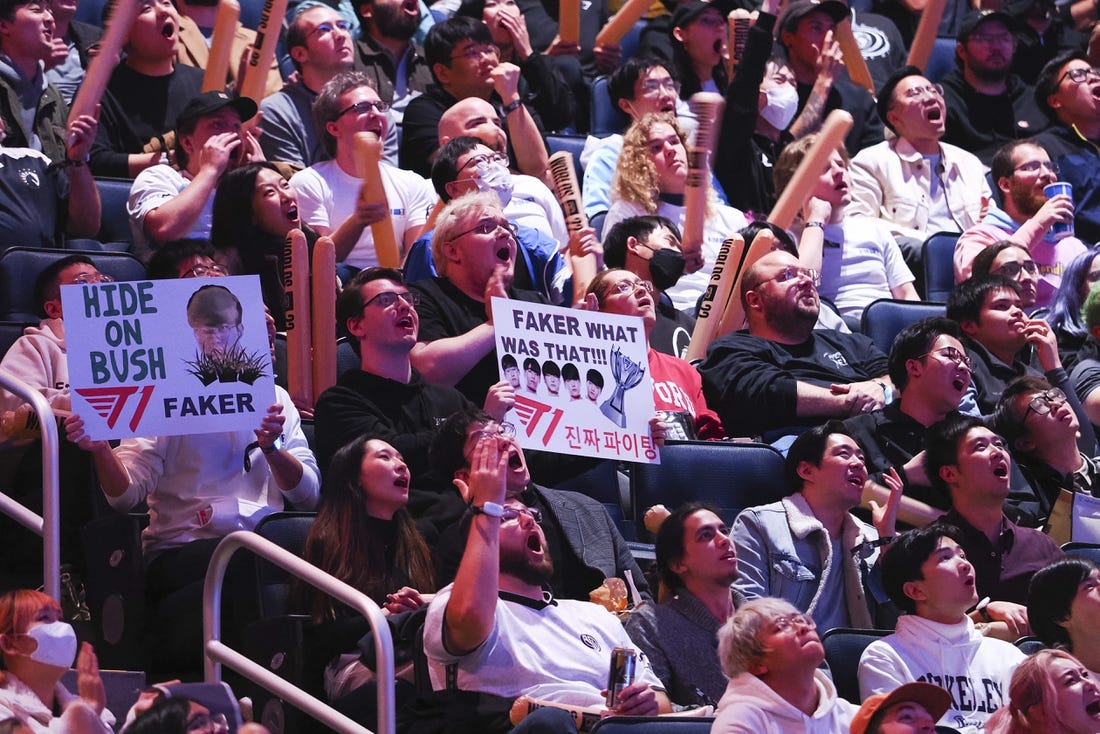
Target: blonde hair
x,y
451,219
739,644
635,178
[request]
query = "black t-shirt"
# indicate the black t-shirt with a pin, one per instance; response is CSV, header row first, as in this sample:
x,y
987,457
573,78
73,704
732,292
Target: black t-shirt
x,y
445,311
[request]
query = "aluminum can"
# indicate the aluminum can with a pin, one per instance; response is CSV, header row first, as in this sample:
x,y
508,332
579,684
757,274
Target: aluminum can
x,y
621,674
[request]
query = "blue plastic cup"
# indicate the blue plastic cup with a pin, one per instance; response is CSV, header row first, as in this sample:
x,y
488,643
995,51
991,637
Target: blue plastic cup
x,y
1060,230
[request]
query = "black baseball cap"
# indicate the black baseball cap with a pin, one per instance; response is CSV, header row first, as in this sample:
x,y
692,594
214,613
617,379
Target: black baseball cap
x,y
975,18
687,12
208,103
799,9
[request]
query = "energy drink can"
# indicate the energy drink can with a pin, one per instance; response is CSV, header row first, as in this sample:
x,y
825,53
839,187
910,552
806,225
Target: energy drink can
x,y
621,675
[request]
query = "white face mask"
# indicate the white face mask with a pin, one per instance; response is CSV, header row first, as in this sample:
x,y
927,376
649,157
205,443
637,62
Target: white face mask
x,y
495,176
781,107
56,644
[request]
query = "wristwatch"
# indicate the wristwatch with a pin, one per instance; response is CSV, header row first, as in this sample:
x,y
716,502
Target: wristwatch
x,y
275,445
492,509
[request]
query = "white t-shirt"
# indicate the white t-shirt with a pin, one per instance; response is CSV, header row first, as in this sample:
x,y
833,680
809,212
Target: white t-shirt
x,y
327,196
866,265
154,186
559,652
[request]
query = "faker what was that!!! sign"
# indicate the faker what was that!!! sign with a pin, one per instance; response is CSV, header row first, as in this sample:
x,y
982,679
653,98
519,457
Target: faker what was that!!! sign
x,y
581,378
168,357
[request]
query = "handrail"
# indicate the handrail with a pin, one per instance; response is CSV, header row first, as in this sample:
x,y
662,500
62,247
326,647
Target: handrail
x,y
48,523
218,653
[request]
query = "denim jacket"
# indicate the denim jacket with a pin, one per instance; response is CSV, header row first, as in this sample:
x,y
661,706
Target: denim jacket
x,y
784,551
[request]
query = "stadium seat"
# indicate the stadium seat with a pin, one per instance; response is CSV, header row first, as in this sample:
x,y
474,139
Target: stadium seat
x,y
20,266
601,483
1030,645
843,648
729,476
287,530
115,585
9,332
605,119
938,255
1089,551
884,318
114,221
653,725
573,144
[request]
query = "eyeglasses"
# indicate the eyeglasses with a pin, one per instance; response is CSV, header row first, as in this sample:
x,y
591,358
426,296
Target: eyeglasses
x,y
490,226
782,625
210,332
1013,269
494,430
928,90
208,724
361,108
89,278
951,355
791,272
1040,404
203,271
491,158
629,286
1079,75
989,39
513,513
668,84
388,298
323,29
1036,165
475,51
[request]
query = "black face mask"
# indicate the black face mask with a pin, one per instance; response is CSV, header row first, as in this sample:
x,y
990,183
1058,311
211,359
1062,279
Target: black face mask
x,y
665,268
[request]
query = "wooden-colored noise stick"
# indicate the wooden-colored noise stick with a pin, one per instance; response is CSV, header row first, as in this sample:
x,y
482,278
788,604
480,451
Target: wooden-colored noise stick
x,y
621,22
323,311
104,62
221,46
368,153
925,37
299,338
715,297
569,21
22,423
836,126
263,52
740,22
707,107
853,56
733,317
564,178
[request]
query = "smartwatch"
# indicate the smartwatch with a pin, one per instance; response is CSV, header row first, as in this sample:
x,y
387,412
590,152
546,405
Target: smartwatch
x,y
275,445
492,509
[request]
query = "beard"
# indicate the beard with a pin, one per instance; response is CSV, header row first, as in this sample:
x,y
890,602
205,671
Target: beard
x,y
392,22
515,562
1027,201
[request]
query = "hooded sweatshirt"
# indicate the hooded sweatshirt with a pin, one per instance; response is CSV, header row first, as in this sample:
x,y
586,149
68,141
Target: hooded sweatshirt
x,y
750,706
38,359
973,668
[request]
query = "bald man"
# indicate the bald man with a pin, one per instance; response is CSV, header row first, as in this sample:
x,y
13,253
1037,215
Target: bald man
x,y
783,375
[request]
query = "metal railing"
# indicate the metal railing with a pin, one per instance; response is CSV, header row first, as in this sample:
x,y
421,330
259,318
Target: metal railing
x,y
47,524
218,653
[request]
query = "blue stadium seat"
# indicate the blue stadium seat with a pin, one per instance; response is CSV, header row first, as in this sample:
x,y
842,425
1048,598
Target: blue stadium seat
x,y
114,222
938,255
9,332
729,476
843,648
653,725
884,318
1030,645
1089,551
571,143
605,118
20,266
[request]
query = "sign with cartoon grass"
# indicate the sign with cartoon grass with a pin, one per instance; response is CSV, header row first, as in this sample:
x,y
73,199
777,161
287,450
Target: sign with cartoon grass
x,y
168,357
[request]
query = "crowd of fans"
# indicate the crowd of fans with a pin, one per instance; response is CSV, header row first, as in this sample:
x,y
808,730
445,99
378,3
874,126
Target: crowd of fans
x,y
928,488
